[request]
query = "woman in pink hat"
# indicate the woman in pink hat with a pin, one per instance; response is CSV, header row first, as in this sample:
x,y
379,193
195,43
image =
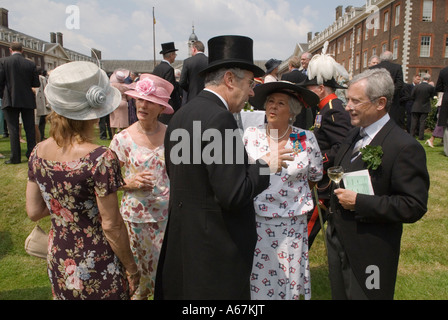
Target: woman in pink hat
x,y
140,149
119,119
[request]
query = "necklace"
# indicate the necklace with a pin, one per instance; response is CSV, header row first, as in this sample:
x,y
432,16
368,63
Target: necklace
x,y
279,138
141,130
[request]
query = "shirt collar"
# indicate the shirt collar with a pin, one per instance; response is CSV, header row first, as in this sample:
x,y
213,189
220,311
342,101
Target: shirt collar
x,y
222,99
375,127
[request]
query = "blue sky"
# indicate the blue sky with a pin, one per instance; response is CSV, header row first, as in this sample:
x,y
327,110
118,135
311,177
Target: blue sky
x,y
124,29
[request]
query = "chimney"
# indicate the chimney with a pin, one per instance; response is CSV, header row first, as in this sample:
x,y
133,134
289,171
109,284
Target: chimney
x,y
52,37
4,18
309,36
60,39
338,12
348,9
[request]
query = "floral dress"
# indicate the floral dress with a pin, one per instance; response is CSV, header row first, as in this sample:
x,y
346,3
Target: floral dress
x,y
145,212
81,263
281,267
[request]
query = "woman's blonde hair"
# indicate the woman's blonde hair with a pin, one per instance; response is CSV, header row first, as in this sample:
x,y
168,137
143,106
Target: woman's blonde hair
x,y
67,131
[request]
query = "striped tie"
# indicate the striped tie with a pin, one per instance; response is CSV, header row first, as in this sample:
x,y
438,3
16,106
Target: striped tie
x,y
359,144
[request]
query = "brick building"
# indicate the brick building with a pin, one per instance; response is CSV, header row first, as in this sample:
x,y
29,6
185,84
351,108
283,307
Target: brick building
x,y
416,31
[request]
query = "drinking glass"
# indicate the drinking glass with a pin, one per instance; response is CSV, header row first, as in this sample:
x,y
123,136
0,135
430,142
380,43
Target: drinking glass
x,y
335,174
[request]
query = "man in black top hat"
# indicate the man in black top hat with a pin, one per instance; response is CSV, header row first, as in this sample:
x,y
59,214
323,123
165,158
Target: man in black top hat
x,y
166,71
208,248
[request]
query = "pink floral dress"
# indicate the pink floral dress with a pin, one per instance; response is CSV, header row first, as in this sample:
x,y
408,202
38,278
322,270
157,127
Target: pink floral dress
x,y
81,263
145,212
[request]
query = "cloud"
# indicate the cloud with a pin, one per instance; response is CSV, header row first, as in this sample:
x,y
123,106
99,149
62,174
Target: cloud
x,y
124,29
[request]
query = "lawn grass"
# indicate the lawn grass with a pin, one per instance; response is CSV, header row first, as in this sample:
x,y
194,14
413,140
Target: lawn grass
x,y
422,274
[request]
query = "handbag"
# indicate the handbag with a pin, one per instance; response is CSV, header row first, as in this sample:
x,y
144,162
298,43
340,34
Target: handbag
x,y
36,244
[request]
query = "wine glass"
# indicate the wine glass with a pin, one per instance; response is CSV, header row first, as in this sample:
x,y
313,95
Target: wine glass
x,y
335,174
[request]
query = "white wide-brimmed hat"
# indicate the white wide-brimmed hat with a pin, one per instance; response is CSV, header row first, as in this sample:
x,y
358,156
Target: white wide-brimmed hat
x,y
81,91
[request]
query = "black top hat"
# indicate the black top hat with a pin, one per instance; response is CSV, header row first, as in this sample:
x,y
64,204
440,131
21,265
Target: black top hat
x,y
168,47
271,64
332,83
305,96
231,52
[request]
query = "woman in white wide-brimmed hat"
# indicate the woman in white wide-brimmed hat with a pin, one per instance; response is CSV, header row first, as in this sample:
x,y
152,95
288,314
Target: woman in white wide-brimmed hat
x,y
75,182
144,205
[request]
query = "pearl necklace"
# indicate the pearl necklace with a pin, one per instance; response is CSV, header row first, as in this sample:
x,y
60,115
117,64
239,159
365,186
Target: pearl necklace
x,y
277,139
141,130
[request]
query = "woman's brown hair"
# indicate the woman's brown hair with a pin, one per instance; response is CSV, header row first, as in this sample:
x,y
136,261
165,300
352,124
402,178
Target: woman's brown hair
x,y
67,131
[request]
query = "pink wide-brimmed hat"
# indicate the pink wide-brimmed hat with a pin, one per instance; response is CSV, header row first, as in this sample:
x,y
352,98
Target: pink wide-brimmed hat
x,y
119,76
154,89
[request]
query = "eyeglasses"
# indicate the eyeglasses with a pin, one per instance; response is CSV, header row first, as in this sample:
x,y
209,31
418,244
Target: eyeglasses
x,y
252,84
353,106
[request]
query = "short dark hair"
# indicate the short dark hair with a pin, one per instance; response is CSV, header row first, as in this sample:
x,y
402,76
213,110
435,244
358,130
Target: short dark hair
x,y
16,46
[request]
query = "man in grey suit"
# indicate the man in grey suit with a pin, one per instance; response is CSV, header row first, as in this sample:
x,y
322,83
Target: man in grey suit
x,y
364,230
422,95
190,80
17,78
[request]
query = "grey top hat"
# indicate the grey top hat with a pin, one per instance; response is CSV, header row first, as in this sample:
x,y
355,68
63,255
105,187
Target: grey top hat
x,y
231,52
81,91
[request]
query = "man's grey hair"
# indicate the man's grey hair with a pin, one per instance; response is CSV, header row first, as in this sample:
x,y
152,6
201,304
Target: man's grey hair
x,y
386,56
379,84
216,77
295,107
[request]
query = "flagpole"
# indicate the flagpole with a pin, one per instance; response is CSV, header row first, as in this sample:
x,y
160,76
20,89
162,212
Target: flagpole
x,y
154,35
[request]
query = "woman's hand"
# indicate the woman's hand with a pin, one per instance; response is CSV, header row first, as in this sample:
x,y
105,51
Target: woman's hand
x,y
141,181
134,281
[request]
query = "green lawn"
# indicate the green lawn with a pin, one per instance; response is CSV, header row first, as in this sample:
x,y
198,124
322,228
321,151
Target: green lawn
x,y
422,274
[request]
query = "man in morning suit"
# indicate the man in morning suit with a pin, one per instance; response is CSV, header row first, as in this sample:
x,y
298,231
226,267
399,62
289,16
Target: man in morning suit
x,y
165,71
364,231
17,78
396,111
442,86
406,99
331,126
210,238
190,80
422,95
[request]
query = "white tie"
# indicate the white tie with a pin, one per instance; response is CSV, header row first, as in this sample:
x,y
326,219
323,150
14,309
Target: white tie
x,y
359,144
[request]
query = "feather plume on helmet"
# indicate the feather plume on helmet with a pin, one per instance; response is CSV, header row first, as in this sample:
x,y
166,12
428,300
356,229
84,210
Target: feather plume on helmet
x,y
323,69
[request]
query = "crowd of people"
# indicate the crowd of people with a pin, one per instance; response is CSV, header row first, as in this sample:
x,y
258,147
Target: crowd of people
x,y
209,211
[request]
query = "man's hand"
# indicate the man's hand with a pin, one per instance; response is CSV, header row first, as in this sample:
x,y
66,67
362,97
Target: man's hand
x,y
347,198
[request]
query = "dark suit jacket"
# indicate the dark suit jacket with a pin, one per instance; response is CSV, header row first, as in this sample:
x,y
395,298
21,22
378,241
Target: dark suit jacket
x,y
295,76
17,76
165,71
422,95
396,72
190,80
371,234
330,133
305,118
210,238
442,86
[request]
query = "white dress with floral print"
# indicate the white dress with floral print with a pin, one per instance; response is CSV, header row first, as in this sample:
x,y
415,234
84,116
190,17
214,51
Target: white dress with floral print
x,y
281,266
